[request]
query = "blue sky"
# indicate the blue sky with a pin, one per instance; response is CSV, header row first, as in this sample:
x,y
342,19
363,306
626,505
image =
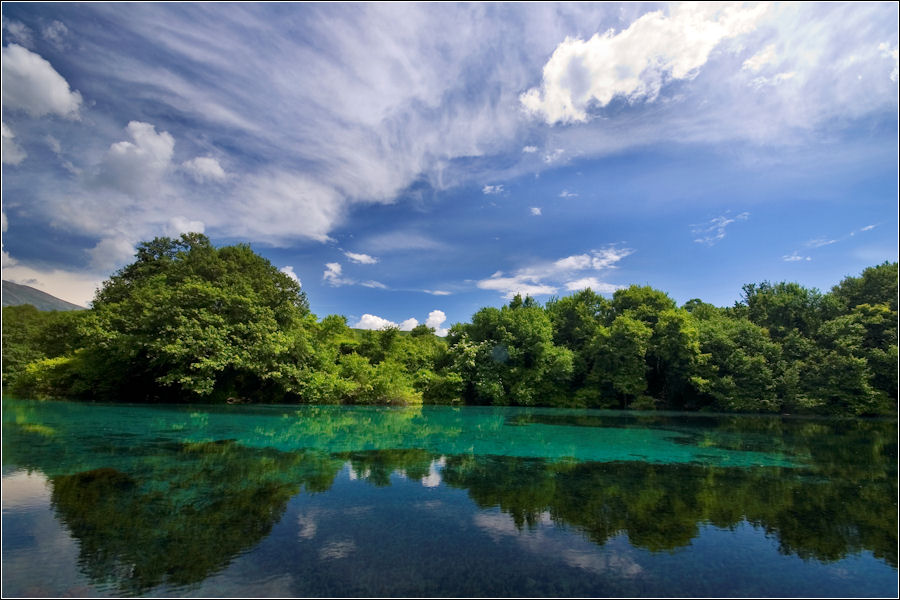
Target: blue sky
x,y
412,163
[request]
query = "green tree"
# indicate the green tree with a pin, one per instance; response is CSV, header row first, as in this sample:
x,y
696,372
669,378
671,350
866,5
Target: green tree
x,y
187,320
507,355
783,307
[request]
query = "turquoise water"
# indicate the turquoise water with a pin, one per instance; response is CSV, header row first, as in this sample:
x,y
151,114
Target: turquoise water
x,y
124,500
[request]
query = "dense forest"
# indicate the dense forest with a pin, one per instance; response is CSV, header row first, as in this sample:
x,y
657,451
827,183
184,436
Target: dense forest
x,y
189,322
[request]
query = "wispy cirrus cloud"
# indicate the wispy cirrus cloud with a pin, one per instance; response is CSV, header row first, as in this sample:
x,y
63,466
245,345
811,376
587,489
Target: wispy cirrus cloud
x,y
795,257
822,242
713,231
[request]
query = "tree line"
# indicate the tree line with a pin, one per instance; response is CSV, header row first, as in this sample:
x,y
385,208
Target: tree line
x,y
189,322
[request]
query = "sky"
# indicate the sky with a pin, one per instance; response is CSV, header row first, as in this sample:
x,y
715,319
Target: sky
x,y
413,163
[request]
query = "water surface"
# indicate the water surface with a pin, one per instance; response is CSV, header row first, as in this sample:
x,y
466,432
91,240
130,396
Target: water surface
x,y
124,500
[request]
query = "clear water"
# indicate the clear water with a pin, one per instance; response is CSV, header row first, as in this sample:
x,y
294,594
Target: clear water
x,y
136,500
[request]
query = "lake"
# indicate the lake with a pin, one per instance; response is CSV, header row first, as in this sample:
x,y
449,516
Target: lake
x,y
138,500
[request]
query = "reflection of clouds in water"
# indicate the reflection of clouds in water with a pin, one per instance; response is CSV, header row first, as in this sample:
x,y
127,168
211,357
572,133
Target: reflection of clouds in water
x,y
496,525
25,572
337,549
605,562
243,582
429,504
356,511
308,525
433,479
575,551
22,489
352,475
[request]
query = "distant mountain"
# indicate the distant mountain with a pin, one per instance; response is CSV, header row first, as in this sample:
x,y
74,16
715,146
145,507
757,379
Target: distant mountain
x,y
15,294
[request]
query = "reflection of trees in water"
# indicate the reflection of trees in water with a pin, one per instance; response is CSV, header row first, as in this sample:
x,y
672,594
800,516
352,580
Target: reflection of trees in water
x,y
187,519
175,513
661,507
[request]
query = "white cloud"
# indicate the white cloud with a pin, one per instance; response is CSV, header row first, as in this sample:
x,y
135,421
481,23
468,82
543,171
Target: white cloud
x,y
402,241
529,149
567,194
437,292
374,322
289,271
408,324
332,275
492,189
608,257
868,227
794,257
592,282
17,32
713,231
553,156
53,144
524,284
136,167
281,206
55,33
576,262
7,260
819,242
605,258
204,169
363,259
761,59
535,211
112,252
543,279
32,85
10,152
887,52
435,319
368,321
776,79
179,224
636,62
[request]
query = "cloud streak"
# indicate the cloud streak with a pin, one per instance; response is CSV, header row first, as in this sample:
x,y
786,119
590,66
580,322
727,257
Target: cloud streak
x,y
713,231
546,278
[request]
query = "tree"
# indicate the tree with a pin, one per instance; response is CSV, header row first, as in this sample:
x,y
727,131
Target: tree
x,y
507,356
783,307
187,320
876,285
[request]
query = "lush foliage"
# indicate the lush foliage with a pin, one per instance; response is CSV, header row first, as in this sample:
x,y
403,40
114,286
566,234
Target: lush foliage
x,y
190,322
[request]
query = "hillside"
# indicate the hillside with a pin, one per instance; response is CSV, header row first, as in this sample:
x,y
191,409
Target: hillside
x,y
15,294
